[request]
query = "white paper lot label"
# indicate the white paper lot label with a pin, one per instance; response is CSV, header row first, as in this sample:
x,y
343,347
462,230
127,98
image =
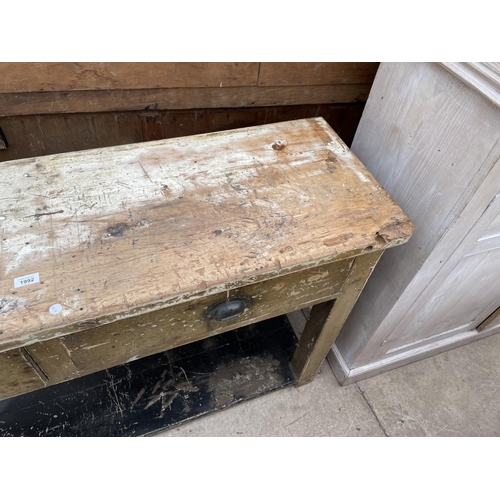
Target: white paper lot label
x,y
29,279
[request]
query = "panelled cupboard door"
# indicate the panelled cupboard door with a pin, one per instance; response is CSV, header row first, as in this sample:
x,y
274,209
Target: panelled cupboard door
x,y
430,134
466,292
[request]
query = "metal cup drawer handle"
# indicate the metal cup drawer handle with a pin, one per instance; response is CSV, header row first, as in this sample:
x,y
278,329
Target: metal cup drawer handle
x,y
228,309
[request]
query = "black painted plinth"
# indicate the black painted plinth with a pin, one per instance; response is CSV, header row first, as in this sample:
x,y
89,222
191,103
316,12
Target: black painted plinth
x,y
160,391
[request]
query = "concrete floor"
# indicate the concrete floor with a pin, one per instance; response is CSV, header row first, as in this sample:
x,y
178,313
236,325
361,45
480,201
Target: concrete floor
x,y
452,394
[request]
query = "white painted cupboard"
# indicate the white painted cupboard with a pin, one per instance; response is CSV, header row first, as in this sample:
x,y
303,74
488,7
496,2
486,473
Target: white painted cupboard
x,y
430,134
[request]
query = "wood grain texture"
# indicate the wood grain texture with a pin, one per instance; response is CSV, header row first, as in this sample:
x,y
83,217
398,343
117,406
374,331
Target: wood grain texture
x,y
31,136
123,341
64,76
466,287
290,73
98,101
159,391
122,231
459,285
18,375
326,320
420,115
480,76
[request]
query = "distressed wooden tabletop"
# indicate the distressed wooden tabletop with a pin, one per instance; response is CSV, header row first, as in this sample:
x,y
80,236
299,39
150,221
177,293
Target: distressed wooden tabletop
x,y
95,236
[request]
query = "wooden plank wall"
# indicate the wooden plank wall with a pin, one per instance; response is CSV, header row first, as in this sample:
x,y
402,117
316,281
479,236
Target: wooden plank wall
x,y
48,108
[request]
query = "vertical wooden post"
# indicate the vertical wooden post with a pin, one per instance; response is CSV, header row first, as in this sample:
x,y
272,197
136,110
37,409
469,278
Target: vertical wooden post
x,y
327,318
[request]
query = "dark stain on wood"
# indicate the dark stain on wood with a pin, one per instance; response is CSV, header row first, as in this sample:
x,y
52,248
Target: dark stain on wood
x,y
117,230
42,214
279,145
332,163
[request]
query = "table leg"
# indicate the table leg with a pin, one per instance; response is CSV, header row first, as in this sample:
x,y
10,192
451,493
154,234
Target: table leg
x,y
327,319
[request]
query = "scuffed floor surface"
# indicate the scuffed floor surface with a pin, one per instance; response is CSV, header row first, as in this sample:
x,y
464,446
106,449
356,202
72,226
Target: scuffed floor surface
x,y
452,394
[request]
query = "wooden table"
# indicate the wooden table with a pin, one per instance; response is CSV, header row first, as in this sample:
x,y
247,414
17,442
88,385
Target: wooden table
x,y
113,254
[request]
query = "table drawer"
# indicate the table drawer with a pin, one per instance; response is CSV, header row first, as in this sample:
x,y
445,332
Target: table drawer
x,y
133,338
